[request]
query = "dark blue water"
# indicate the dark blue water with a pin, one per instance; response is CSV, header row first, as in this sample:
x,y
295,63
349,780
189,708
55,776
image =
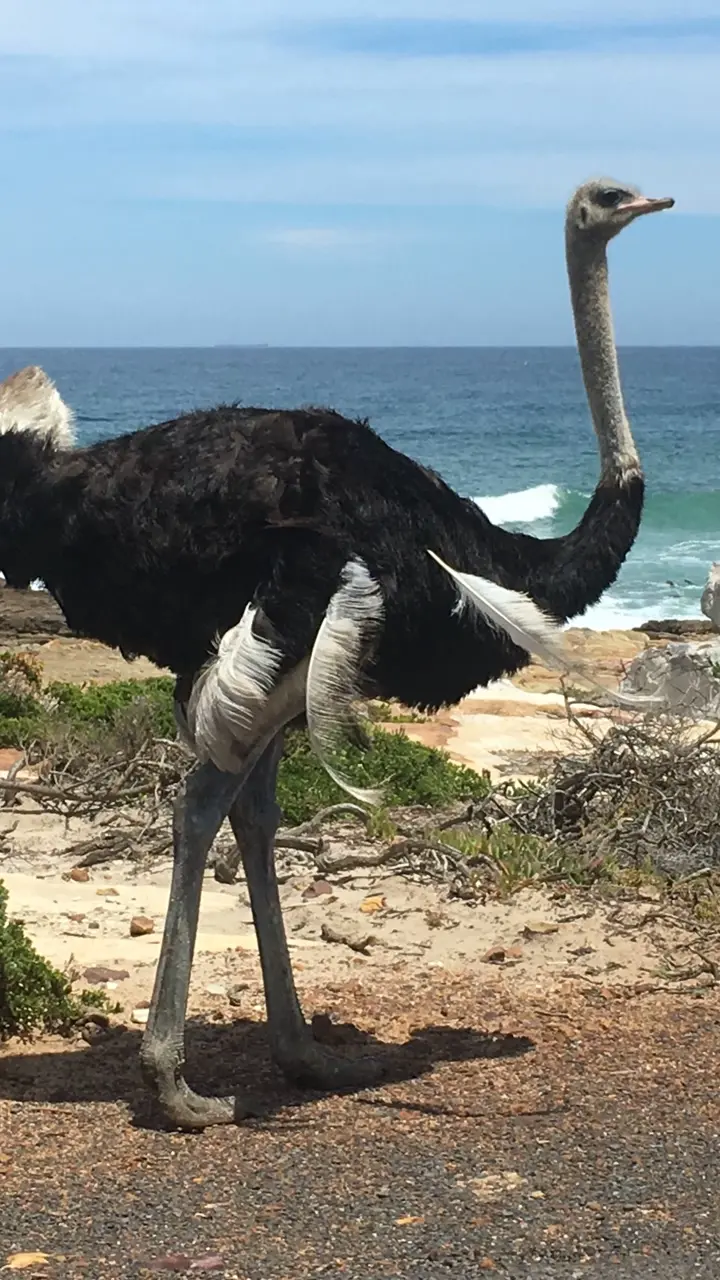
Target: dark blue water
x,y
511,425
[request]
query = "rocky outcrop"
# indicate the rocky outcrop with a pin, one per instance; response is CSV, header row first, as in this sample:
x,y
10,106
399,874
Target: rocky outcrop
x,y
685,676
710,598
29,615
660,627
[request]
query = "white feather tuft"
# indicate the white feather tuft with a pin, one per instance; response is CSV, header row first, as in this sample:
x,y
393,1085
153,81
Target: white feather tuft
x,y
30,402
230,692
532,630
353,617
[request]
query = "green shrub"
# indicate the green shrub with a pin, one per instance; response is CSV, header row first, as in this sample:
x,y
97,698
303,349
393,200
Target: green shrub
x,y
34,997
102,704
63,708
20,685
412,774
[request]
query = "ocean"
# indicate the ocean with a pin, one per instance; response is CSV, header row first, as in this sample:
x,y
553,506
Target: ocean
x,y
508,427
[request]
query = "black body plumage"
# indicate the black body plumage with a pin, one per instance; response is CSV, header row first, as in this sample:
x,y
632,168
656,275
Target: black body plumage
x,y
154,542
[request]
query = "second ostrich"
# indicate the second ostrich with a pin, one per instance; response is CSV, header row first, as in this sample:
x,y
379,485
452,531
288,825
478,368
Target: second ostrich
x,y
301,539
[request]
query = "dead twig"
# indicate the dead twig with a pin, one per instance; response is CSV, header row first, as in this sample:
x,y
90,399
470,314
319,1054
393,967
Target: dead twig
x,y
332,811
355,941
285,841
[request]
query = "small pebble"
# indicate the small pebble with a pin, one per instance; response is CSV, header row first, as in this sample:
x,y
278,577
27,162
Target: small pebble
x,y
235,994
140,925
98,973
140,1016
317,889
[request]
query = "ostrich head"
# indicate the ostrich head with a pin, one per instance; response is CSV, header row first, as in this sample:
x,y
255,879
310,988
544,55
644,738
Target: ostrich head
x,y
602,207
30,403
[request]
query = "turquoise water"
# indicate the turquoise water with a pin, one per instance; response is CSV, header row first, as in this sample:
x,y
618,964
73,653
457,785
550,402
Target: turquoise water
x,y
508,427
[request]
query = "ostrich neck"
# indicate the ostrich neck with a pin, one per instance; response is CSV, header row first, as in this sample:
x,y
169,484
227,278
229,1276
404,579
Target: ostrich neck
x,y
588,275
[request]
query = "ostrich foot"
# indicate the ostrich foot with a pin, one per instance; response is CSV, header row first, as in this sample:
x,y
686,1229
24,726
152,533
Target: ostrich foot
x,y
185,1109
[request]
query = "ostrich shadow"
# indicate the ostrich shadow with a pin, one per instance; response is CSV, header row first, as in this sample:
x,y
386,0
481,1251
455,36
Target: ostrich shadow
x,y
234,1057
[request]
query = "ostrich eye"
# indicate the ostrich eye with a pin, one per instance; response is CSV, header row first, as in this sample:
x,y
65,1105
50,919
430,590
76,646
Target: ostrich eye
x,y
609,197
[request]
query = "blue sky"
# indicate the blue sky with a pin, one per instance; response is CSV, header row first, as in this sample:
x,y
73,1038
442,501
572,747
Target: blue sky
x,y
369,172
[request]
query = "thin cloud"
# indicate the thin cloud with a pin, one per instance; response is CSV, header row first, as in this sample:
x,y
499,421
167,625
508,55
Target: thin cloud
x,y
162,29
287,129
443,38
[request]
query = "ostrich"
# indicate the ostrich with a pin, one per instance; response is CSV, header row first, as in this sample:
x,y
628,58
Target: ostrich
x,y
301,540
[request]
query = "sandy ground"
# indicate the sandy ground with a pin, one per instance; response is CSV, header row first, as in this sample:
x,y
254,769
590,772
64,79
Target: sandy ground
x,y
546,939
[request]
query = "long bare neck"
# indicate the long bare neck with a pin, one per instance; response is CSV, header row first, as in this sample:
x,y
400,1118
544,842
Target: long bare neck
x,y
588,275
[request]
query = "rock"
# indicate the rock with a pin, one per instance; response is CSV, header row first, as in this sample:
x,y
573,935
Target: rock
x,y
500,954
107,893
675,627
235,994
94,1030
650,893
681,675
224,873
216,989
99,973
80,874
496,955
535,928
495,1186
710,598
140,1015
21,1261
348,937
317,889
31,613
140,925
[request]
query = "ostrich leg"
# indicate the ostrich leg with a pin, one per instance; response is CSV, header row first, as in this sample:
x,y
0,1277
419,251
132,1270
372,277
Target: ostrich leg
x,y
200,808
254,816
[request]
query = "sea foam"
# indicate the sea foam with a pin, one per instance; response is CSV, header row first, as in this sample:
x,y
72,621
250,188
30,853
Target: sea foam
x,y
524,506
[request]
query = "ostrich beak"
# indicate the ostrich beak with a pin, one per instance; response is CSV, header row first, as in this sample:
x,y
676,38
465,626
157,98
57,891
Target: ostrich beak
x,y
644,204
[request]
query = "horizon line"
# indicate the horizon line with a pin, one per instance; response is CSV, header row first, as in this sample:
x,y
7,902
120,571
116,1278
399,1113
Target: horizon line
x,y
396,346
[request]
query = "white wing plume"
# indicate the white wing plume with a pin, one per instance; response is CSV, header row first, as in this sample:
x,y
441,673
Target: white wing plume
x,y
353,617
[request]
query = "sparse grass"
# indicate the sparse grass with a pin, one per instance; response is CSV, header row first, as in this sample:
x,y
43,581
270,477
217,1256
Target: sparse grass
x,y
521,859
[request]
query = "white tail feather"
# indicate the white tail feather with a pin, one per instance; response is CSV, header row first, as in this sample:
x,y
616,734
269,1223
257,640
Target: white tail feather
x,y
514,613
352,619
532,630
30,402
228,695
